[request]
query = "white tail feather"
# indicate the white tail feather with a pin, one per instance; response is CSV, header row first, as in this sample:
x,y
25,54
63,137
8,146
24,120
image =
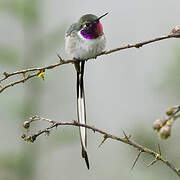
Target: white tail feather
x,y
81,114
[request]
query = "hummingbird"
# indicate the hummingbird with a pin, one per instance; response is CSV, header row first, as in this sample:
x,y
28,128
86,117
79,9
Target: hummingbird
x,y
84,40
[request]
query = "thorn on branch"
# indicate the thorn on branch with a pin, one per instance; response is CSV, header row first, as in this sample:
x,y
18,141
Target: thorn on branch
x,y
126,137
104,139
157,157
106,135
152,163
60,59
136,159
159,150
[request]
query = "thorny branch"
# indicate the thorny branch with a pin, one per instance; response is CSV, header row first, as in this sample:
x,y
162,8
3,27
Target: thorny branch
x,y
126,139
33,72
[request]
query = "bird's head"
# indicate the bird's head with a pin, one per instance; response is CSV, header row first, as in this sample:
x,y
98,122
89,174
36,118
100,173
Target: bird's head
x,y
90,26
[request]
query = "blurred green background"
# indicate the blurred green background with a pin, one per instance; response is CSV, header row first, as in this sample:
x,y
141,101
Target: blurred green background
x,y
126,90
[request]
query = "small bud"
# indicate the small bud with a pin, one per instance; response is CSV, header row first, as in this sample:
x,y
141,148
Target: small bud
x,y
157,124
170,111
26,124
29,139
176,31
23,136
165,131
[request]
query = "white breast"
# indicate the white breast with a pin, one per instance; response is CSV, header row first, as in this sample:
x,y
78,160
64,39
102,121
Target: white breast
x,y
78,47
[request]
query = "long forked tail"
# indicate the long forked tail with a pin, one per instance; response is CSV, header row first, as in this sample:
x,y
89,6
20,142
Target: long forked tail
x,y
81,109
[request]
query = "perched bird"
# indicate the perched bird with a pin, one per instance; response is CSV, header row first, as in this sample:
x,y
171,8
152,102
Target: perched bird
x,y
84,40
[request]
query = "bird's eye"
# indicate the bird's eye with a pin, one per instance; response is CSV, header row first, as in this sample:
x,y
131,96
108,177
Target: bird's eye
x,y
87,24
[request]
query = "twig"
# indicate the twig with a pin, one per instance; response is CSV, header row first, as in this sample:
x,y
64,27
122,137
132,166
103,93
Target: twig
x,y
18,81
126,140
174,34
23,72
140,44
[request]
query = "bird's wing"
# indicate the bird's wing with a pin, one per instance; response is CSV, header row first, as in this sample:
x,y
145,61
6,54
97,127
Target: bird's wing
x,y
72,28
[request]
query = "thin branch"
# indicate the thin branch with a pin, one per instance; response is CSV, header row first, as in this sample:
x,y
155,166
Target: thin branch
x,y
140,148
18,81
36,72
140,44
175,33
